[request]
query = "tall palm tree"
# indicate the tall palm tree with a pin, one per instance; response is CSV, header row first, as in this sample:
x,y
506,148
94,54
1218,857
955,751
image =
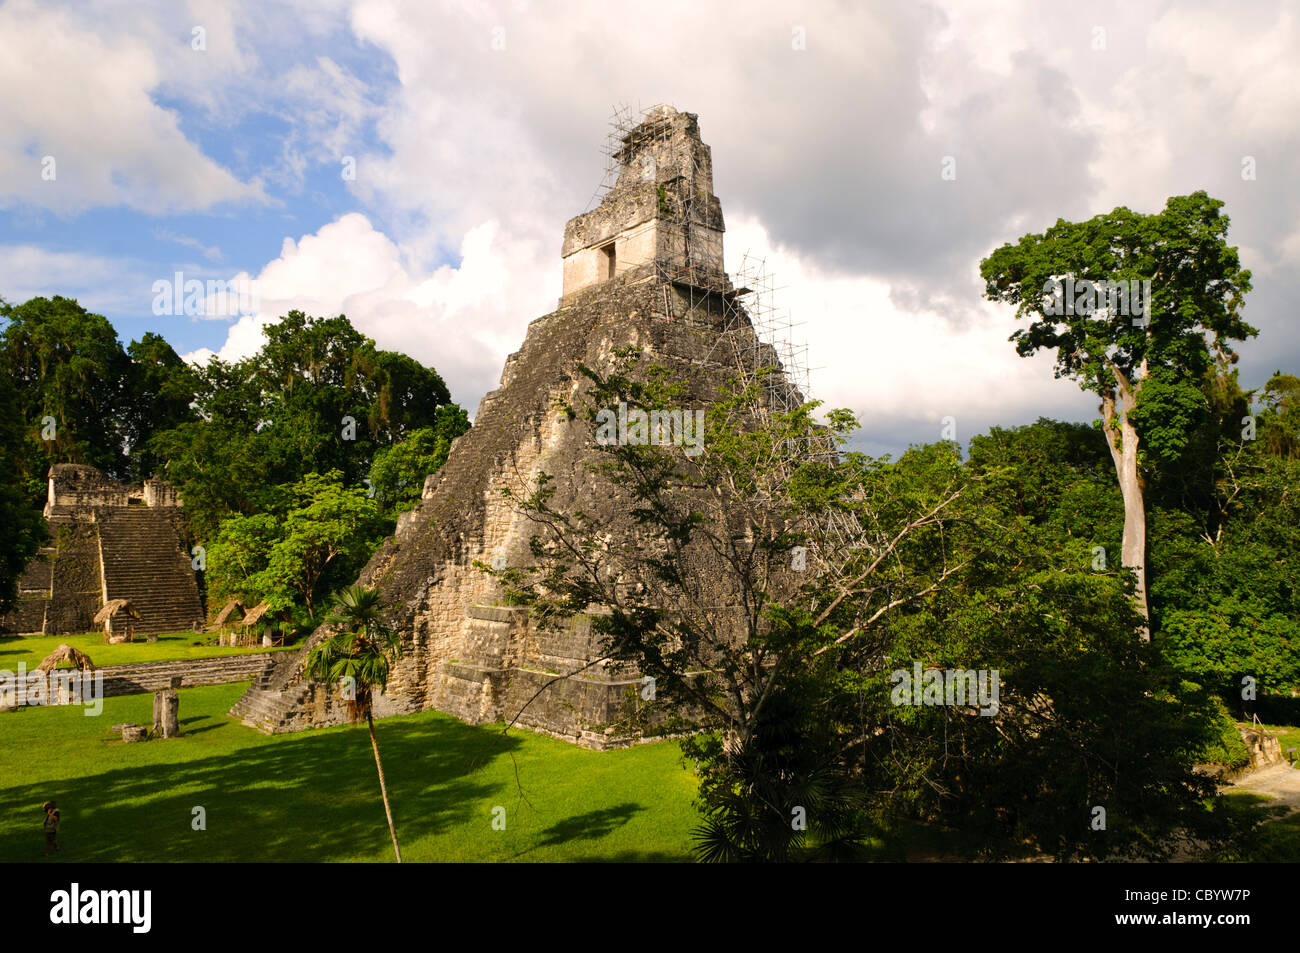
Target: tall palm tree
x,y
359,655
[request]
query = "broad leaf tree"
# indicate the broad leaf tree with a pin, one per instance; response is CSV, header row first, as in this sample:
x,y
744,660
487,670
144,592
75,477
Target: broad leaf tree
x,y
1130,341
318,396
159,395
398,473
22,529
313,538
776,591
67,365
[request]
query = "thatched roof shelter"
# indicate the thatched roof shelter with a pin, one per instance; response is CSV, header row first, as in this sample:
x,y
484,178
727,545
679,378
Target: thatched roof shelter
x,y
263,619
113,608
118,617
230,614
66,653
255,614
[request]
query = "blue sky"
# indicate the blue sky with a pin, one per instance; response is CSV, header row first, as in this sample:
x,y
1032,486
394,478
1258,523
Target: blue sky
x,y
475,131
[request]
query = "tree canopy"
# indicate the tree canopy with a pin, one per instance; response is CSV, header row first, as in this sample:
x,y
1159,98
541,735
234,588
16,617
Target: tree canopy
x,y
318,396
295,430
1137,308
314,538
775,595
82,397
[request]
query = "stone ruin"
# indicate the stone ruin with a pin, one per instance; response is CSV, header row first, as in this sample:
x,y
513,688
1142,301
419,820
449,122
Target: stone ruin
x,y
643,269
166,716
108,541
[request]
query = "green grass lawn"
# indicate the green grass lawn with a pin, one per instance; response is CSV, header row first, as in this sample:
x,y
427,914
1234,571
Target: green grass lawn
x,y
314,795
33,649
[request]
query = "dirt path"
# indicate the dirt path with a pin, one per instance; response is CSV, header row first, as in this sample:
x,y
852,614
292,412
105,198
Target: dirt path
x,y
1280,781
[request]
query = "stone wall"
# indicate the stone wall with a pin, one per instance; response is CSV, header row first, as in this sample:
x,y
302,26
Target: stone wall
x,y
661,210
142,677
1265,749
75,584
76,488
160,493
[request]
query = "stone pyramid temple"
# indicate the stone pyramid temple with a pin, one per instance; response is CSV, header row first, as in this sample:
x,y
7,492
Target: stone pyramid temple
x,y
107,541
644,269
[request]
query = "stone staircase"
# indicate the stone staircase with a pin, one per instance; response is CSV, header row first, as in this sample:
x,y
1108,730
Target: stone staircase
x,y
273,710
143,562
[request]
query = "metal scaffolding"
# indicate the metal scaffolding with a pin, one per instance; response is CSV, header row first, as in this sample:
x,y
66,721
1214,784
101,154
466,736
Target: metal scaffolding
x,y
747,331
750,332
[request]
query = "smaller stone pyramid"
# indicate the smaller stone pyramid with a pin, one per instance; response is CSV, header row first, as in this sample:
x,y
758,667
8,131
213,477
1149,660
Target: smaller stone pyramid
x,y
108,541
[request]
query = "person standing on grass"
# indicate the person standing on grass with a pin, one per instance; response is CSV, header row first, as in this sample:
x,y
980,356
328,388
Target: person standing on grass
x,y
51,826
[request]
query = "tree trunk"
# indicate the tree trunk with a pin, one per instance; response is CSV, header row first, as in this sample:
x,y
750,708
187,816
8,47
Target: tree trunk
x,y
1123,442
383,786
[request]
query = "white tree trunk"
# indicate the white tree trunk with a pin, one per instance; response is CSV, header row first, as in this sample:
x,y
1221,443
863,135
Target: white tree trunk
x,y
1122,438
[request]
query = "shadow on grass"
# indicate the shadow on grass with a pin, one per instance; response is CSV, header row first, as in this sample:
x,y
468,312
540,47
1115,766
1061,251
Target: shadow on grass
x,y
308,797
590,826
1277,842
1274,836
191,726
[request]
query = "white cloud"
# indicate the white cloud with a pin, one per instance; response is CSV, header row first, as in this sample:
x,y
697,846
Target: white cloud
x,y
483,154
902,372
86,103
210,252
827,158
100,283
462,320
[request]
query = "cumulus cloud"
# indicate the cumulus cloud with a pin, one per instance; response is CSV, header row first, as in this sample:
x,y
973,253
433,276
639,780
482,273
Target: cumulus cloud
x,y
460,320
901,372
85,131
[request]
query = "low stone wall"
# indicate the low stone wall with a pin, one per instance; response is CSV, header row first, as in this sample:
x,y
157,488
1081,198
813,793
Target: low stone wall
x,y
143,677
1265,749
578,709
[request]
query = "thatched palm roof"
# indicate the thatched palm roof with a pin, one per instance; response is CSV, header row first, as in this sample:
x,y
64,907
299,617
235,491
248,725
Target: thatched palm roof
x,y
111,609
66,653
256,613
229,609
